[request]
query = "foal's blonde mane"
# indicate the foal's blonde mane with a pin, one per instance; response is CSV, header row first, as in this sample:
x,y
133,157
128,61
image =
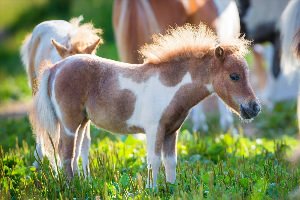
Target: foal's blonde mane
x,y
189,41
84,33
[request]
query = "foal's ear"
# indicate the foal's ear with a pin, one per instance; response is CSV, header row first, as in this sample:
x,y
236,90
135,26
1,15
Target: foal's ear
x,y
219,53
93,46
62,50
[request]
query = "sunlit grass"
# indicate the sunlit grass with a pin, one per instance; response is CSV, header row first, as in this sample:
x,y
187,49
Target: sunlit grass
x,y
213,167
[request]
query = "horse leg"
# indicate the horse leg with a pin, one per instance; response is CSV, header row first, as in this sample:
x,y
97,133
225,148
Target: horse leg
x,y
79,140
298,111
67,149
170,156
85,147
226,118
198,118
153,159
38,154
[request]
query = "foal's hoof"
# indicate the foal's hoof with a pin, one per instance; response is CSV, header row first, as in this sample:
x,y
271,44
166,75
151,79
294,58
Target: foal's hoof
x,y
151,188
36,165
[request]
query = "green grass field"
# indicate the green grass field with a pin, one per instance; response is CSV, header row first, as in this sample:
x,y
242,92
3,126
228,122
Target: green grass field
x,y
213,165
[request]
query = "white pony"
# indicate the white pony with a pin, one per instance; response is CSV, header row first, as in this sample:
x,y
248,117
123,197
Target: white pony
x,y
68,38
287,81
286,85
290,63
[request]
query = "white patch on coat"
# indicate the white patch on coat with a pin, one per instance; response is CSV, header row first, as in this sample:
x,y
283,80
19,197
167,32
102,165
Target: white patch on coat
x,y
152,98
210,88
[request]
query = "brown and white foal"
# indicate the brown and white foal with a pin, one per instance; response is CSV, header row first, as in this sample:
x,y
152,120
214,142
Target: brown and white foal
x,y
51,41
181,68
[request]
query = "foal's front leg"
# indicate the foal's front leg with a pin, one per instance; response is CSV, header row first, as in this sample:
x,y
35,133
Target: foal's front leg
x,y
153,158
170,156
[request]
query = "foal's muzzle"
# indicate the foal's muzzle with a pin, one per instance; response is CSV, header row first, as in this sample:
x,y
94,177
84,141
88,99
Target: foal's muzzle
x,y
250,110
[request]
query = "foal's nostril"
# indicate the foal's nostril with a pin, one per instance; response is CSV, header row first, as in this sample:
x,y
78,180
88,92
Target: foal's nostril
x,y
255,107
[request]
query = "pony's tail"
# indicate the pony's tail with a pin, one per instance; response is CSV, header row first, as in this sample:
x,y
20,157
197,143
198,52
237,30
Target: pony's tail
x,y
25,49
43,117
28,53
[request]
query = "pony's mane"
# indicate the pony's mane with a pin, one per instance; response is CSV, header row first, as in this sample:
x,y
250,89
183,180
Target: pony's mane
x,y
189,41
84,33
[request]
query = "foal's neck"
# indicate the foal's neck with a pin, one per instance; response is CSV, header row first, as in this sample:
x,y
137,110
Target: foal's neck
x,y
172,73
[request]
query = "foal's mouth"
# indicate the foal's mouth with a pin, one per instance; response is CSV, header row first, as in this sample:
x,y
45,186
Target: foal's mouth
x,y
250,111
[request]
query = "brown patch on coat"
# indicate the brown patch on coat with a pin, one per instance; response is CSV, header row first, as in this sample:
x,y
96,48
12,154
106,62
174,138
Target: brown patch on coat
x,y
178,110
169,144
70,92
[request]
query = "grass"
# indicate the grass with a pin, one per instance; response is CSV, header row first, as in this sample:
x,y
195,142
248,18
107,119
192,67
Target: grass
x,y
211,166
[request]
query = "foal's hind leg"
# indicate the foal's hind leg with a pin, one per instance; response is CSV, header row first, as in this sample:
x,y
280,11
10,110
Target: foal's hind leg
x,y
226,118
79,141
38,154
85,148
198,118
67,146
170,156
298,112
66,149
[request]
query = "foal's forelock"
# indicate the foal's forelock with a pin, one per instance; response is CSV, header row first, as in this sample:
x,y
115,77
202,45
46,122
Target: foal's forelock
x,y
83,35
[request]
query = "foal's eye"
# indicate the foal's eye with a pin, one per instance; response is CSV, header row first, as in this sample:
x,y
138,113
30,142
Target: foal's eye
x,y
234,77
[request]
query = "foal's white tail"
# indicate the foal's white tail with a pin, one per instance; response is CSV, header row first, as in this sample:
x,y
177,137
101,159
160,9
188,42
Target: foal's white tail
x,y
44,119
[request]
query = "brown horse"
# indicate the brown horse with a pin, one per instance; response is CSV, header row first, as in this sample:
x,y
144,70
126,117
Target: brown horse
x,y
68,38
180,69
135,21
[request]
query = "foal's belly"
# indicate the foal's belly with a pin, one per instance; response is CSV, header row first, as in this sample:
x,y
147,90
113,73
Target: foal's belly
x,y
112,121
119,128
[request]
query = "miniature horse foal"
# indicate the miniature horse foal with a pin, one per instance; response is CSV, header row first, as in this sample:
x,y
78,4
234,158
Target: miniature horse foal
x,y
181,68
